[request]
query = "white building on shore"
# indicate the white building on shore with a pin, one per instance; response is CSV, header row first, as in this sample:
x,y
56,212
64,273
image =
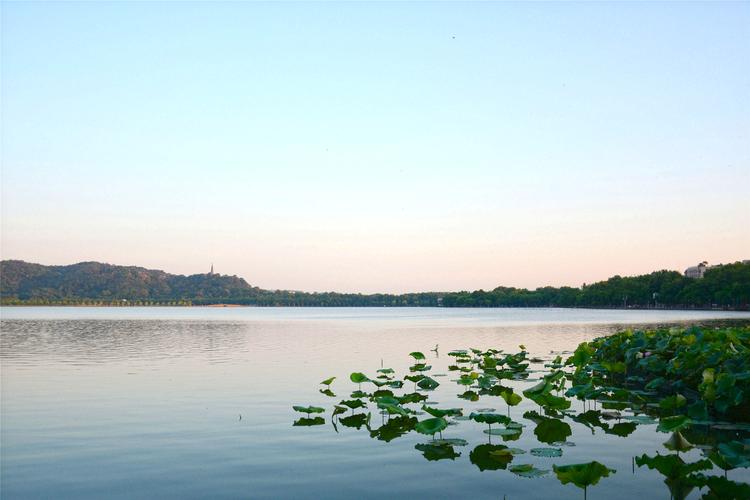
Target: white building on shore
x,y
698,271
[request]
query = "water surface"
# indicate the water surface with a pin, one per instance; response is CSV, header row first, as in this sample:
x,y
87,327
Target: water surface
x,y
146,402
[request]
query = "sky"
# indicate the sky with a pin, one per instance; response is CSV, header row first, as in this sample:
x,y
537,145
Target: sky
x,y
377,147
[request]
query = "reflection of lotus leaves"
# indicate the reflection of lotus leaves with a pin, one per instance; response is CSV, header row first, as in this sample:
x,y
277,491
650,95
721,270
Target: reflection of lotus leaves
x,y
485,457
622,429
356,421
309,422
434,452
551,430
395,427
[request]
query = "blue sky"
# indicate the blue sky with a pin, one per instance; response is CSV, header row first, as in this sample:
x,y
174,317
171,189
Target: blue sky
x,y
377,146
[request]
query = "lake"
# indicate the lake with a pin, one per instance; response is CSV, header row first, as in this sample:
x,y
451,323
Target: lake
x,y
197,403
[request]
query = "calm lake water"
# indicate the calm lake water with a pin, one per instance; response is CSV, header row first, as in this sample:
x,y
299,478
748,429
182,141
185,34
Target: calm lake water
x,y
146,403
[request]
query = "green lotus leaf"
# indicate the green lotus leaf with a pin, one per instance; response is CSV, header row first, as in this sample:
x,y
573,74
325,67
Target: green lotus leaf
x,y
328,381
413,397
458,353
395,384
417,355
434,452
511,398
436,412
582,475
698,410
673,402
488,457
393,409
308,409
431,425
308,422
414,378
499,431
353,403
386,371
721,488
677,442
358,394
451,441
327,392
469,396
428,383
640,419
420,367
527,470
489,418
736,453
338,410
547,452
676,423
507,451
358,378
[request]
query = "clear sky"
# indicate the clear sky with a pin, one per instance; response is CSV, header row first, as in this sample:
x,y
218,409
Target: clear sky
x,y
378,146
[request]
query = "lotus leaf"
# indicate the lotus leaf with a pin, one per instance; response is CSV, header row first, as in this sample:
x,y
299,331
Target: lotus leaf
x,y
736,453
527,470
428,384
417,355
308,409
436,412
431,425
328,381
358,377
676,423
547,452
582,475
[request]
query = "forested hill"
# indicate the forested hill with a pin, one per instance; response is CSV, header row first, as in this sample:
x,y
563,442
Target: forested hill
x,y
94,280
724,286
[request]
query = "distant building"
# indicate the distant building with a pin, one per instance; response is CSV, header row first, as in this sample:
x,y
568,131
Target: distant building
x,y
696,272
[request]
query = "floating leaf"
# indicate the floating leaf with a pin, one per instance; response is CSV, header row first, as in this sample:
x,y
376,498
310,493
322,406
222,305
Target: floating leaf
x,y
582,475
547,452
527,470
448,412
308,409
428,384
677,442
431,425
671,424
502,432
358,378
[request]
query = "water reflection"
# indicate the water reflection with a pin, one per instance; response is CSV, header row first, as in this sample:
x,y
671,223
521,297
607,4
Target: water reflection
x,y
145,403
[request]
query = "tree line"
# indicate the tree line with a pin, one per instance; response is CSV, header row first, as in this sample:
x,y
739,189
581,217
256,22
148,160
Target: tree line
x,y
90,283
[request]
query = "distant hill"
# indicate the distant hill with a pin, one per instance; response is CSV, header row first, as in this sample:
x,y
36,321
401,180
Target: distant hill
x,y
94,280
724,286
